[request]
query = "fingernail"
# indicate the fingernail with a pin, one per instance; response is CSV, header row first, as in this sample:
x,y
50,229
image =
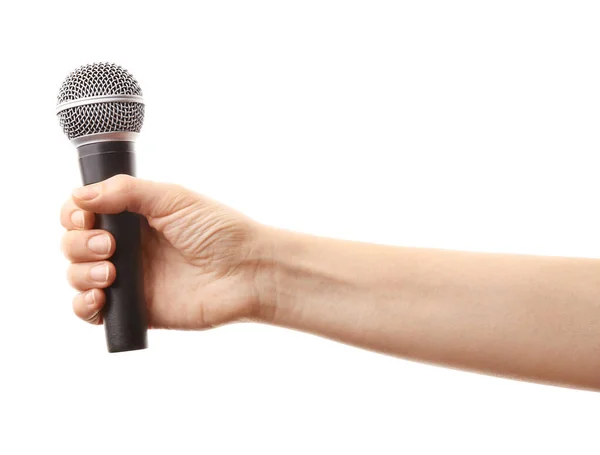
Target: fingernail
x,y
77,218
86,193
99,273
90,298
99,244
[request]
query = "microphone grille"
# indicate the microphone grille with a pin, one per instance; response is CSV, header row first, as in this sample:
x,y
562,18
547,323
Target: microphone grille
x,y
100,79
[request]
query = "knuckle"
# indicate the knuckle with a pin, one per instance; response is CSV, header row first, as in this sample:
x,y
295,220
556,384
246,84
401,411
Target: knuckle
x,y
70,245
65,214
77,307
71,275
178,197
65,245
122,183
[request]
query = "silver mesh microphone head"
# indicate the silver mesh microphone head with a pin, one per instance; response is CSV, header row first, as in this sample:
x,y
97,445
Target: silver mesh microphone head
x,y
100,98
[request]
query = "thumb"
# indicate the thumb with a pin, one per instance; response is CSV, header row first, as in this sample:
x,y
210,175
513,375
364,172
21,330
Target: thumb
x,y
126,193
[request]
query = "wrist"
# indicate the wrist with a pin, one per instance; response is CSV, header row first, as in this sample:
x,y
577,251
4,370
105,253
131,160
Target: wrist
x,y
275,246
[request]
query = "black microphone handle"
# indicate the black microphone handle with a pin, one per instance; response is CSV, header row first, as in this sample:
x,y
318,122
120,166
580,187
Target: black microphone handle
x,y
124,314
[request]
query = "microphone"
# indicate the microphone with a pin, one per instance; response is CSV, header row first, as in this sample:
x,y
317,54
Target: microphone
x,y
101,111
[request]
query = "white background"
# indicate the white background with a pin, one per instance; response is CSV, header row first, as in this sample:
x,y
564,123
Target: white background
x,y
464,124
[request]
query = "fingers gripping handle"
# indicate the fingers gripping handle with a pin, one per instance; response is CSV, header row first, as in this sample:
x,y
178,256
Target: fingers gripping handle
x,y
124,315
124,318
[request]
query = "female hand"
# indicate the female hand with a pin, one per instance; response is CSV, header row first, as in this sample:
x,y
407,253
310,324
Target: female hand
x,y
202,260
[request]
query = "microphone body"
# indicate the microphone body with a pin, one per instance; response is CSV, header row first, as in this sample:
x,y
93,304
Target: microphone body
x,y
100,109
124,314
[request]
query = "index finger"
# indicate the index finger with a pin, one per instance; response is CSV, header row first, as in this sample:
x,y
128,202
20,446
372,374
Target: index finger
x,y
72,217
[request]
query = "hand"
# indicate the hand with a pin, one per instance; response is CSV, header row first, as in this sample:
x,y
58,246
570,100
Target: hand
x,y
202,260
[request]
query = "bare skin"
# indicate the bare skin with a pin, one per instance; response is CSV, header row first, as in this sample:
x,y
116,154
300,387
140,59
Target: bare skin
x,y
526,317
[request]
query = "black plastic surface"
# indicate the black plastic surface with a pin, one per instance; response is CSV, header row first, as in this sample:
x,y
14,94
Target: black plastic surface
x,y
124,315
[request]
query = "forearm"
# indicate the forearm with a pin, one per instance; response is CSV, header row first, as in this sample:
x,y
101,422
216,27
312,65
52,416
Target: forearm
x,y
534,318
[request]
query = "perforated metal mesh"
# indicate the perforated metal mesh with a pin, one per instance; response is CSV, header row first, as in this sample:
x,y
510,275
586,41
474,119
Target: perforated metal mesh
x,y
94,80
